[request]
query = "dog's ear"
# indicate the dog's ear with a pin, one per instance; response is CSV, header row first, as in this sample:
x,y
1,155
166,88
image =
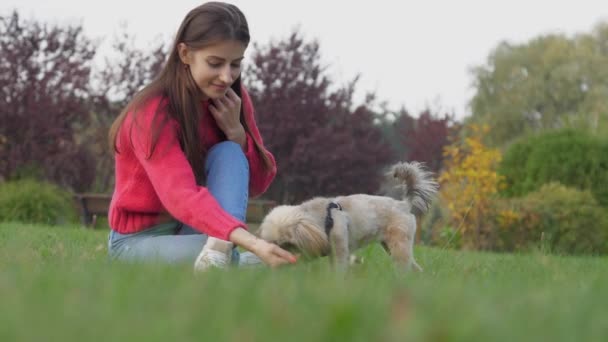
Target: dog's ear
x,y
310,239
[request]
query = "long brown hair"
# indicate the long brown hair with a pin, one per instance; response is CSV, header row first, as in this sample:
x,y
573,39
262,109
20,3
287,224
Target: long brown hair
x,y
203,26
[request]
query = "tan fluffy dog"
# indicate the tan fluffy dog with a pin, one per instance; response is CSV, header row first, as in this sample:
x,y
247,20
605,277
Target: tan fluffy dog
x,y
337,226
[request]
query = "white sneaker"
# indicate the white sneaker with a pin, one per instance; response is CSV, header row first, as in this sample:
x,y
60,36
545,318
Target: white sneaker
x,y
216,253
248,259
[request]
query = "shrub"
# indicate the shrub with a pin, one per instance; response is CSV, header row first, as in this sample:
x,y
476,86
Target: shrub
x,y
565,220
469,183
569,157
436,227
35,202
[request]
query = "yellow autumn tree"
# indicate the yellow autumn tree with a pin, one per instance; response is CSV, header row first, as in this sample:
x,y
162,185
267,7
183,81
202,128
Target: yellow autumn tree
x,y
468,184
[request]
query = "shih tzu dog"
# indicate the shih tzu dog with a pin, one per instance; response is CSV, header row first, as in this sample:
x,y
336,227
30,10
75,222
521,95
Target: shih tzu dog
x,y
337,226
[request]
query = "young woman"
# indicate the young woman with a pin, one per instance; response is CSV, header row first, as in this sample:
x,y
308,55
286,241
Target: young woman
x,y
188,154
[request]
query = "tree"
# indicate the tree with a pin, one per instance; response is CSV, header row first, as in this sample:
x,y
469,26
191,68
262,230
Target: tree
x,y
394,125
323,143
44,79
550,82
425,137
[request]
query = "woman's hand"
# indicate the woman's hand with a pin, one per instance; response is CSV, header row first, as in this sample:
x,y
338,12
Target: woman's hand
x,y
271,254
226,111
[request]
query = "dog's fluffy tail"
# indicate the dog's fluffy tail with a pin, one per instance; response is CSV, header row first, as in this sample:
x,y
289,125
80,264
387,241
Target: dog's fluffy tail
x,y
411,182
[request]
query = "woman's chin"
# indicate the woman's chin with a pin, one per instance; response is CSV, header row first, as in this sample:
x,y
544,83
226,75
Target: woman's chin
x,y
215,94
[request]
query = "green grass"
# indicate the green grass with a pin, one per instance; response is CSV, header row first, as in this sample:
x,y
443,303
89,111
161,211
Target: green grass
x,y
56,284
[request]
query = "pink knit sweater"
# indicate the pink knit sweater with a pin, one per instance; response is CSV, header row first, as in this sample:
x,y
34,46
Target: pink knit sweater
x,y
150,190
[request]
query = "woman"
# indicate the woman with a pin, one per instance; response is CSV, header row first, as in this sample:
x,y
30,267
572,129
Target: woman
x,y
188,154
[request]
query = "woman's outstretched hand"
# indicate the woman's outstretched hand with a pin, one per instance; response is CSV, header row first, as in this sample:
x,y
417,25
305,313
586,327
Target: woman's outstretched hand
x,y
271,254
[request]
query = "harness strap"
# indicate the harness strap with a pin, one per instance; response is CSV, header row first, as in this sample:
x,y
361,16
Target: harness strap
x,y
329,221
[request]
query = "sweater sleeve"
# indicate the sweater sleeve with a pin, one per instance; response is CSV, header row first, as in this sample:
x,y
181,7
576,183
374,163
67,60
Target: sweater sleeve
x,y
173,180
260,176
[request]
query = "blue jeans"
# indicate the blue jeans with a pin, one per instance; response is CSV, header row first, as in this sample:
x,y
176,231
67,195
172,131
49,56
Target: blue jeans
x,y
227,171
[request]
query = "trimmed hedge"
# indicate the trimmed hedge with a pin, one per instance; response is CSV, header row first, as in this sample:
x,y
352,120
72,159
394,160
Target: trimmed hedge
x,y
572,158
31,201
560,219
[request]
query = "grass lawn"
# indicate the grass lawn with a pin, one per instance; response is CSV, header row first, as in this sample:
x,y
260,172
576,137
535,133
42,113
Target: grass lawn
x,y
57,285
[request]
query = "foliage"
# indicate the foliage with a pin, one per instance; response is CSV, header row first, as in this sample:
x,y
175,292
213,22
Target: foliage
x,y
31,201
392,124
44,77
426,137
469,182
450,237
549,82
572,158
3,153
560,219
57,110
323,143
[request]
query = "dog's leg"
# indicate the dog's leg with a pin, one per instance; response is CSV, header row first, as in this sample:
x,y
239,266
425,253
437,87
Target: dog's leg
x,y
399,242
338,241
414,264
385,246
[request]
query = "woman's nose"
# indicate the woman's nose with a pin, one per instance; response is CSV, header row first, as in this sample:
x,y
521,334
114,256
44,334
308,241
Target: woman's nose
x,y
226,75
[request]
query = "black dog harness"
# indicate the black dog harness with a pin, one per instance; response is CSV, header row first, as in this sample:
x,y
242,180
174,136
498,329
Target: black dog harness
x,y
329,221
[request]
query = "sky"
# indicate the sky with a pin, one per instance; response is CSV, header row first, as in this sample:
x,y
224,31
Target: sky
x,y
415,54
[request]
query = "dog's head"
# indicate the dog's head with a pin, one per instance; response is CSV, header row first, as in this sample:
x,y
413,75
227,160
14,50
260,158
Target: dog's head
x,y
294,230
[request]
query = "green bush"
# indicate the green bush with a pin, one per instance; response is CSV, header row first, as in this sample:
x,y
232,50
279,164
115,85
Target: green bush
x,y
435,229
564,220
569,157
32,201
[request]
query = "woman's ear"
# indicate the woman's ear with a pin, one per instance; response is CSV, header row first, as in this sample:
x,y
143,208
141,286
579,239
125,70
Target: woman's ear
x,y
184,53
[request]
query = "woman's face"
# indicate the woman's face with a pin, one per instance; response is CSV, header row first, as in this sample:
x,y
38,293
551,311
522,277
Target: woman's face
x,y
215,67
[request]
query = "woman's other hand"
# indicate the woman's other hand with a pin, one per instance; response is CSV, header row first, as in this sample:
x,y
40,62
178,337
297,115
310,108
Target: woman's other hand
x,y
226,111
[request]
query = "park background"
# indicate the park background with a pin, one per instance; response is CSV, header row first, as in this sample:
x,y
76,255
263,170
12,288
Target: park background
x,y
522,166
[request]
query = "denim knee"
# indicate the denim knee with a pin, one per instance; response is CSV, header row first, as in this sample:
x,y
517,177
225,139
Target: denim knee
x,y
228,147
226,152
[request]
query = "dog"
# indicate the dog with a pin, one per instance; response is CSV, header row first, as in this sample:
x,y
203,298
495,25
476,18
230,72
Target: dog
x,y
337,226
